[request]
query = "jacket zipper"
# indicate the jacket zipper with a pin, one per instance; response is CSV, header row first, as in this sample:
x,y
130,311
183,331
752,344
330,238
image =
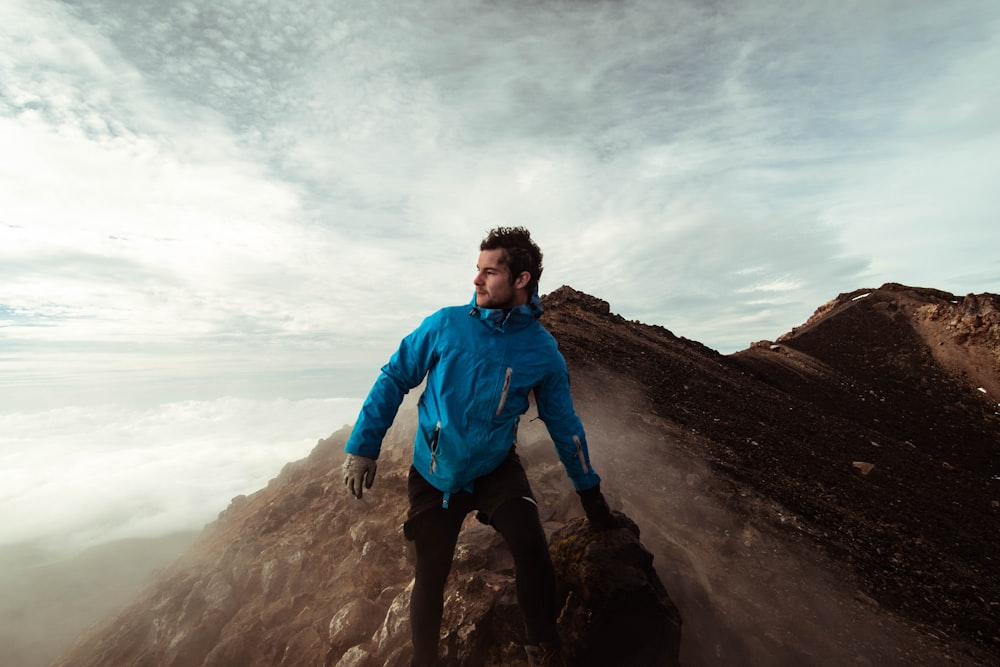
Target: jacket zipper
x,y
434,464
506,388
434,447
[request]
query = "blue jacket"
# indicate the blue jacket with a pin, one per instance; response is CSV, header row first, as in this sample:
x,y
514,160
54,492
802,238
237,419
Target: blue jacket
x,y
480,367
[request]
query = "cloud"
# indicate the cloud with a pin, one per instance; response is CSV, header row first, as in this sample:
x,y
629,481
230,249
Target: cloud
x,y
925,209
253,191
74,477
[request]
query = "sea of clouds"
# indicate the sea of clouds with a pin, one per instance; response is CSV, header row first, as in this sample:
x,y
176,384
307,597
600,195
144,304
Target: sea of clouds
x,y
75,477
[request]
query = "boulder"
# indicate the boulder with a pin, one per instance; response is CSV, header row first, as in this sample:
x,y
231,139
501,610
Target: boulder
x,y
615,610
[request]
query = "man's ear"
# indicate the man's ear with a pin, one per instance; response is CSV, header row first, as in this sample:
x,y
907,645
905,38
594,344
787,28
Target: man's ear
x,y
522,280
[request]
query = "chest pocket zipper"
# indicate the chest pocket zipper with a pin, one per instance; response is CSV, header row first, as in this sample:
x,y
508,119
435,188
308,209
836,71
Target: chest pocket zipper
x,y
506,388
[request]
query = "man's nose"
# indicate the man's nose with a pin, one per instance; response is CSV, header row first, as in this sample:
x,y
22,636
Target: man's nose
x,y
478,280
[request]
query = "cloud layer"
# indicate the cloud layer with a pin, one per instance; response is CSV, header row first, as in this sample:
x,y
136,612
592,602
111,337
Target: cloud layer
x,y
73,477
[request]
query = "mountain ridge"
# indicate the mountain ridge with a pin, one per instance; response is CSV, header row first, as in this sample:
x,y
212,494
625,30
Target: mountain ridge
x,y
793,514
934,356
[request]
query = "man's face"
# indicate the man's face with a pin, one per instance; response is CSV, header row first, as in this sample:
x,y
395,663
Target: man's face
x,y
493,284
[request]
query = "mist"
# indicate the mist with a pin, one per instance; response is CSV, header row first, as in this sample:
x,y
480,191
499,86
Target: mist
x,y
76,477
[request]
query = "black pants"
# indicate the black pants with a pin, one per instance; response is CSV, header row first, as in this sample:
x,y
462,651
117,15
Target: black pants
x,y
434,531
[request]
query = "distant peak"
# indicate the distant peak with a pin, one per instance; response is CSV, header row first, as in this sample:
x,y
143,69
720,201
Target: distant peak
x,y
567,296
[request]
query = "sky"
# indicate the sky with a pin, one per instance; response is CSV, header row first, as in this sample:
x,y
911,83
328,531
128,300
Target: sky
x,y
218,214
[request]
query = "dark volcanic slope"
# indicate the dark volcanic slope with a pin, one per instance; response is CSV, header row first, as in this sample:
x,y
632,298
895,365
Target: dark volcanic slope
x,y
867,424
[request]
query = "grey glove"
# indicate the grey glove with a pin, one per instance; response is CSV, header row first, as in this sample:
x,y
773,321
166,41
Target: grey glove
x,y
359,471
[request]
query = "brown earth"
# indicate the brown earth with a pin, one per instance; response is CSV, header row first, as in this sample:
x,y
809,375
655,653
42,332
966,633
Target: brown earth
x,y
827,499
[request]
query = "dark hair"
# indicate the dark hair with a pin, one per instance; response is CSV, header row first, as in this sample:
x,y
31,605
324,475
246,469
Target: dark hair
x,y
520,252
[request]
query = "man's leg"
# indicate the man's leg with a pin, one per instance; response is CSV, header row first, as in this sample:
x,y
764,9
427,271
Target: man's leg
x,y
434,534
518,522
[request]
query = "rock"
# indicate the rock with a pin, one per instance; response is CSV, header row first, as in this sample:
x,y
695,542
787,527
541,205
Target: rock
x,y
863,467
483,620
395,629
354,623
354,657
615,610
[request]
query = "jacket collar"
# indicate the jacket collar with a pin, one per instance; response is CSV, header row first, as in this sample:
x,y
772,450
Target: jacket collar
x,y
519,316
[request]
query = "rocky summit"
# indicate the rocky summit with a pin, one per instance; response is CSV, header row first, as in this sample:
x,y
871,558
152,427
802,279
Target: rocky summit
x,y
831,497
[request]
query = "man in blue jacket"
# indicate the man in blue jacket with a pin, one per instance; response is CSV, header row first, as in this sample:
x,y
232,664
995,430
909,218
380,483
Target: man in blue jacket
x,y
480,361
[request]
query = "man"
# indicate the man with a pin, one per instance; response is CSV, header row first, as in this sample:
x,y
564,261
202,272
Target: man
x,y
481,361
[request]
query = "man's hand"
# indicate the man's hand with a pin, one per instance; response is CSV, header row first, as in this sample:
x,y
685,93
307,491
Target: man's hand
x,y
359,471
597,510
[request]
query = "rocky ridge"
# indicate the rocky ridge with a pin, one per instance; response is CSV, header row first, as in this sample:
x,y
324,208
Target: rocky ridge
x,y
741,472
874,428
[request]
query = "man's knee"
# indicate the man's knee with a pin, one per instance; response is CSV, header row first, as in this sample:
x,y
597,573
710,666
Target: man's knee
x,y
518,522
516,512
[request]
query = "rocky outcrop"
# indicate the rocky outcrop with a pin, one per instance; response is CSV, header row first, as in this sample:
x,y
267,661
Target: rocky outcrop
x,y
566,296
962,333
615,610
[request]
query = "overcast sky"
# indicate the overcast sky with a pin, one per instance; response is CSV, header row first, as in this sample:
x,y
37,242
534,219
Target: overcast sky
x,y
257,200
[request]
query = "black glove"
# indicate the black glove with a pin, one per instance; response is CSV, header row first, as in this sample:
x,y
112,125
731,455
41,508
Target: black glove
x,y
597,510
